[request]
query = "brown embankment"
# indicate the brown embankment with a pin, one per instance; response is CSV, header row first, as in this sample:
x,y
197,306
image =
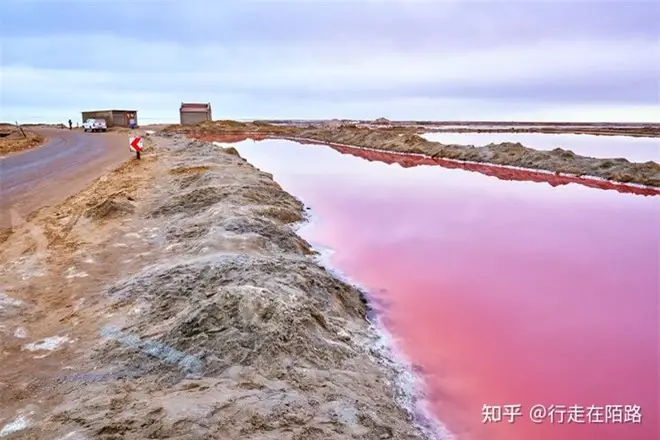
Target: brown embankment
x,y
401,140
502,173
14,140
172,299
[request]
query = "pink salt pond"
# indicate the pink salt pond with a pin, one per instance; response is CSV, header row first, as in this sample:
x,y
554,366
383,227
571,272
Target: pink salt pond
x,y
503,291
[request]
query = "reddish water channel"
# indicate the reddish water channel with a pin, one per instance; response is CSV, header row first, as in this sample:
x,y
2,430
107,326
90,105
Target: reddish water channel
x,y
502,292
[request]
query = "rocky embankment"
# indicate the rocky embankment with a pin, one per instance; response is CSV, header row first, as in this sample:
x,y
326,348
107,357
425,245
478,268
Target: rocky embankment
x,y
400,140
174,300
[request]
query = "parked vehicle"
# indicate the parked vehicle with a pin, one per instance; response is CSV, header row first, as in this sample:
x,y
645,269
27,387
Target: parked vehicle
x,y
95,125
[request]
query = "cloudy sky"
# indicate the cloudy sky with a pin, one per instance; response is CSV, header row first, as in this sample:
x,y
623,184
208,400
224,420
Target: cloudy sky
x,y
401,59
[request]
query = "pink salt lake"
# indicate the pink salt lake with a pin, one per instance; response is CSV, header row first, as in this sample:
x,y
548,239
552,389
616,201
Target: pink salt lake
x,y
501,292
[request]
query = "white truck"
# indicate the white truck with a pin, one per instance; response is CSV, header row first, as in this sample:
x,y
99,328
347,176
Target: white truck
x,y
95,125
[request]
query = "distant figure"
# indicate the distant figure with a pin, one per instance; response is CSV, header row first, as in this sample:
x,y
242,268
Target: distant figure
x,y
70,125
132,123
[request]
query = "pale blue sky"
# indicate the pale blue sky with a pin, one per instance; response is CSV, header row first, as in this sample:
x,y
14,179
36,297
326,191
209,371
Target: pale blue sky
x,y
500,60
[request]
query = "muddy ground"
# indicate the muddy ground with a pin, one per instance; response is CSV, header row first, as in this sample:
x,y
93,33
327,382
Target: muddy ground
x,y
14,139
172,299
405,140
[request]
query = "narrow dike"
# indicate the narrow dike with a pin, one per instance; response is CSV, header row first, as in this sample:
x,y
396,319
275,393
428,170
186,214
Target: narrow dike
x,y
295,338
222,325
558,161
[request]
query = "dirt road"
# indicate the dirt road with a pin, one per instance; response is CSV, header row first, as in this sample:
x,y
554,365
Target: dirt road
x,y
68,162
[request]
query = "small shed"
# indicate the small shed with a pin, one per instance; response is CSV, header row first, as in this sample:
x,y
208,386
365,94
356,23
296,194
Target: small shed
x,y
192,113
113,118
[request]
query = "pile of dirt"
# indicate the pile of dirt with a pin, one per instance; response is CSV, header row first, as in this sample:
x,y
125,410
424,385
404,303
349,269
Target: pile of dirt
x,y
110,208
238,309
200,197
231,150
14,139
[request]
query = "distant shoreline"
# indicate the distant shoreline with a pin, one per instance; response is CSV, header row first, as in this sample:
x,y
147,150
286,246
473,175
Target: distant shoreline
x,y
632,129
635,129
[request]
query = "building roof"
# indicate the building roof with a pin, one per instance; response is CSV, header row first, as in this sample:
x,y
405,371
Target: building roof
x,y
195,107
113,110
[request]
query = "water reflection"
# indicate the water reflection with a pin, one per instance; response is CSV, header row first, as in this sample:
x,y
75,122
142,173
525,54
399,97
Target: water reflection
x,y
501,173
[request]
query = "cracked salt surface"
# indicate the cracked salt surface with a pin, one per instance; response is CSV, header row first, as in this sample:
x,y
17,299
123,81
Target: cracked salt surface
x,y
18,424
49,344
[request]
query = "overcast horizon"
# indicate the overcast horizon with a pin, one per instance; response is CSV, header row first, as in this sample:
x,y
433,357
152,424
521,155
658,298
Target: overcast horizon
x,y
444,60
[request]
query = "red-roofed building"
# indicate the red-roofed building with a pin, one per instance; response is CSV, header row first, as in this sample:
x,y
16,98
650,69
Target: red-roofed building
x,y
192,113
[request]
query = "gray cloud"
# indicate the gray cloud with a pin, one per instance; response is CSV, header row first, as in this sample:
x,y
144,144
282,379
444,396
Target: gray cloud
x,y
399,23
352,52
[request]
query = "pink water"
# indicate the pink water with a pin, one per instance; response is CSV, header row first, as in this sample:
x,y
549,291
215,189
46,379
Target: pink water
x,y
501,292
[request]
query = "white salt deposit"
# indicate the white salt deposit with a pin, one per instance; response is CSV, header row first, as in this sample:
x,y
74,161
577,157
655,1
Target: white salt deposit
x,y
18,424
72,272
50,344
73,436
7,301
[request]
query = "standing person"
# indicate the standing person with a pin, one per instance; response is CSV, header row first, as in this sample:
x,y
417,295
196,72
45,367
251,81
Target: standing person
x,y
132,123
70,125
